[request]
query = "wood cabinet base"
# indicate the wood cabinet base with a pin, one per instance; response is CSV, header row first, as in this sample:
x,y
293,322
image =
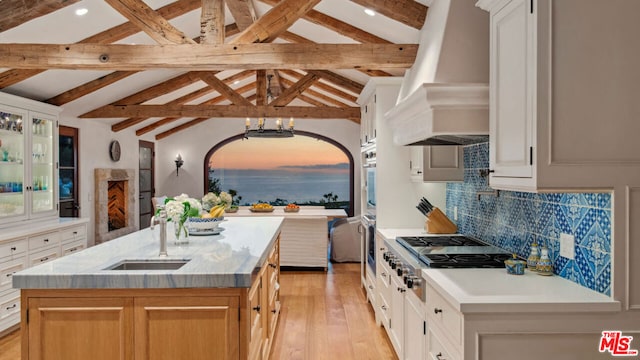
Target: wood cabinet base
x,y
134,324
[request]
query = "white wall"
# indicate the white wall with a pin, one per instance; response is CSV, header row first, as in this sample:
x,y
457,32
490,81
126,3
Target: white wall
x,y
94,139
193,144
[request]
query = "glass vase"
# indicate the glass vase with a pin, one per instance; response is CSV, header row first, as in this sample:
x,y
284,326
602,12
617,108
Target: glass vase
x,y
181,233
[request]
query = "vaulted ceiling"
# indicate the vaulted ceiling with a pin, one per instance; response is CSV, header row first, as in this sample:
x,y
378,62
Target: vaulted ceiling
x,y
162,66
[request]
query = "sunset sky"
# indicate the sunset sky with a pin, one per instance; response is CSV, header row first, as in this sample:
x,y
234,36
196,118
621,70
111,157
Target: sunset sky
x,y
260,153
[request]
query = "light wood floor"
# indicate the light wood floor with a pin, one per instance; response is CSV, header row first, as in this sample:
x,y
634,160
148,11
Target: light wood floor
x,y
324,316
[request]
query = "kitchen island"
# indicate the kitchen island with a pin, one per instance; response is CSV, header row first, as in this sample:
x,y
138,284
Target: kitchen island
x,y
223,302
304,238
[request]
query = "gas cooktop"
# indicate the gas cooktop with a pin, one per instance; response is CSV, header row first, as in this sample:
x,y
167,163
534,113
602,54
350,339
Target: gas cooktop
x,y
453,251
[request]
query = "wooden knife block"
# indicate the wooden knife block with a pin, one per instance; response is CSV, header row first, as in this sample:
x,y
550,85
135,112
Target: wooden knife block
x,y
439,223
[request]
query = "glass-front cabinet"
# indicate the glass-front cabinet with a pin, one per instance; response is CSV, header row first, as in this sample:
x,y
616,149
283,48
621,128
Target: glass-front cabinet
x,y
28,159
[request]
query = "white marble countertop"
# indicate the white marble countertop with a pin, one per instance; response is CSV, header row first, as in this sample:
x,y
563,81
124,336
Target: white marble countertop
x,y
231,259
495,291
303,213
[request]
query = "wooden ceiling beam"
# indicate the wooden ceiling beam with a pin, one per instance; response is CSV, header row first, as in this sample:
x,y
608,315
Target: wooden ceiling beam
x,y
338,26
243,11
327,100
169,120
16,12
261,87
323,86
222,111
212,22
339,80
181,7
296,89
276,21
122,125
100,82
408,12
150,93
294,38
87,88
149,21
207,57
224,89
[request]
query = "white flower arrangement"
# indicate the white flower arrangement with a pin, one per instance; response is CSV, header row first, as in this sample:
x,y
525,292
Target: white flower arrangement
x,y
211,199
181,207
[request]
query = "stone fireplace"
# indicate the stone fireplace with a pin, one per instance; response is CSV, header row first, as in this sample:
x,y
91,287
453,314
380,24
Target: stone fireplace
x,y
115,203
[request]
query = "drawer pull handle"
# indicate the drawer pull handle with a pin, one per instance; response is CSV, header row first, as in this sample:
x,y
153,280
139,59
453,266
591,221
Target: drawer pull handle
x,y
10,274
46,240
436,310
12,307
383,307
44,259
439,356
257,308
371,287
75,233
274,311
272,265
13,248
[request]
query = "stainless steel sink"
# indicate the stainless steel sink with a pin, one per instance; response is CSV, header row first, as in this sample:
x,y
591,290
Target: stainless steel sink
x,y
172,264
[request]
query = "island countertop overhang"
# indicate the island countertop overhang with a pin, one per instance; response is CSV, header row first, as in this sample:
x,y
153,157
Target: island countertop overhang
x,y
229,260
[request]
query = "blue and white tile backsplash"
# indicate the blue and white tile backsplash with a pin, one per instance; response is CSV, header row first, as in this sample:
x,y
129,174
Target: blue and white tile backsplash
x,y
514,220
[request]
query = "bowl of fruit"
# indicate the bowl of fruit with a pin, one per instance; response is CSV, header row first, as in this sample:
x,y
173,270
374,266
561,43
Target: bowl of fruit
x,y
261,207
291,208
207,220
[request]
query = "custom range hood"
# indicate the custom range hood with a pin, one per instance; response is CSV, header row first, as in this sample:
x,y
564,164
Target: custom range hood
x,y
444,98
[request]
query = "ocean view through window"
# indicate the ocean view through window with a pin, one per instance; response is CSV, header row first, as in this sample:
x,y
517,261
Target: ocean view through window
x,y
302,170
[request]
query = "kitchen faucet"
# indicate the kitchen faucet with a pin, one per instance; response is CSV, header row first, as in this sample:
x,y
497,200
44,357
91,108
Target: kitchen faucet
x,y
161,218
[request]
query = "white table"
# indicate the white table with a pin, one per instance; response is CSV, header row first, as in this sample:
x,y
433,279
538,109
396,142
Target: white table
x,y
304,239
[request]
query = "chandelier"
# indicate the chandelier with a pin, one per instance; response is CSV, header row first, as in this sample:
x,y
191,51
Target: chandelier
x,y
279,132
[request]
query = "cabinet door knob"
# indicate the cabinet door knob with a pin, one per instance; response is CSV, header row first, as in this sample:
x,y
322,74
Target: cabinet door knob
x,y
257,308
46,240
436,310
13,248
274,311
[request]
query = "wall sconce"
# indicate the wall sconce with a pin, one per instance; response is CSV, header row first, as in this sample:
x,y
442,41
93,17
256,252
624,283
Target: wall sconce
x,y
179,163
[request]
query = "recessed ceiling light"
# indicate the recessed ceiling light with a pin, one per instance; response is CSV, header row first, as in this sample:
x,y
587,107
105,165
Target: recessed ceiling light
x,y
82,11
369,12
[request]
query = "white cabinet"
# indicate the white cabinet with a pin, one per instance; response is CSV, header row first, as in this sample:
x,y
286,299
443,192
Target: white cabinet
x,y
444,336
396,324
415,328
368,122
28,159
21,248
562,113
406,326
436,163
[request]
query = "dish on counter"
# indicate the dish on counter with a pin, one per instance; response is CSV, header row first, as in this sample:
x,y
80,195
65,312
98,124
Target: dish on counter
x,y
206,232
261,210
261,207
291,208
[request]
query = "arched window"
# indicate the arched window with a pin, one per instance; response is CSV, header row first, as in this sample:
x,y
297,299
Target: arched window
x,y
308,169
